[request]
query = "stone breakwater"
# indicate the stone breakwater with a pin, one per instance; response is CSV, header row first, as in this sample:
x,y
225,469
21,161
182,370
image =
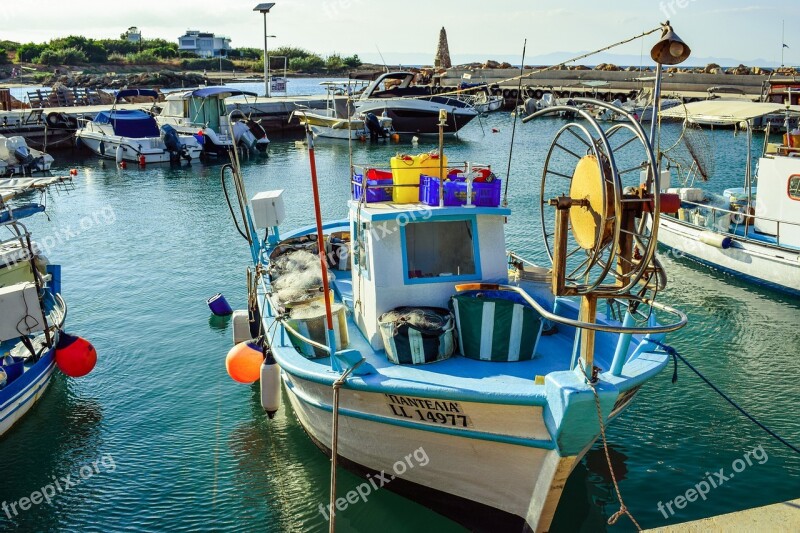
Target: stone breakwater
x,y
109,80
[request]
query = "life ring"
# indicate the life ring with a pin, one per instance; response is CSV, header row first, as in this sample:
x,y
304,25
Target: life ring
x,y
738,217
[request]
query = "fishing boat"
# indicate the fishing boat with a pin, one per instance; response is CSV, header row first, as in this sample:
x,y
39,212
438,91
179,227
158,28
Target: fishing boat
x,y
412,108
133,135
204,112
32,319
339,119
17,158
750,232
409,327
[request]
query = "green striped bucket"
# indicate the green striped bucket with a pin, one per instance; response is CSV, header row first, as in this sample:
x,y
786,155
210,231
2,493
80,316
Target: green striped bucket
x,y
493,328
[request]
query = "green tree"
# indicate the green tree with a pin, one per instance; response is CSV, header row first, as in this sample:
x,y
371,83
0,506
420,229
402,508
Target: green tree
x,y
4,57
28,53
334,62
353,61
64,56
310,63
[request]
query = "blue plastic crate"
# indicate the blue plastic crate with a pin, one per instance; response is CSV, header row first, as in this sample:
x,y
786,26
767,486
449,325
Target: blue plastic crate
x,y
375,193
484,194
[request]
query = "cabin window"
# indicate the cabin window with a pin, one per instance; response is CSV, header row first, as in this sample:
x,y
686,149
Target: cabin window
x,y
439,251
794,187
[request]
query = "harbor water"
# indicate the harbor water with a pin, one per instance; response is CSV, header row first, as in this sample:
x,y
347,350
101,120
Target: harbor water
x,y
170,443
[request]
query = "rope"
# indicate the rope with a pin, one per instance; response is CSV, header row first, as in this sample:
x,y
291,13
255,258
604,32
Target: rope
x,y
623,509
546,69
514,127
675,355
337,385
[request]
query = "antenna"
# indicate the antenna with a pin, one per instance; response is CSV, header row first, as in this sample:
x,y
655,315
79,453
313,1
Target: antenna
x,y
382,60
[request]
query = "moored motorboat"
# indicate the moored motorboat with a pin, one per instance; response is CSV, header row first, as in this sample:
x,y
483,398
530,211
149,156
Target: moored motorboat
x,y
17,158
204,111
133,135
412,108
749,232
339,120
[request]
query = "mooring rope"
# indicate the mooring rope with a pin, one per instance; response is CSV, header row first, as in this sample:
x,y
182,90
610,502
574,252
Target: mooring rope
x,y
675,356
623,509
337,385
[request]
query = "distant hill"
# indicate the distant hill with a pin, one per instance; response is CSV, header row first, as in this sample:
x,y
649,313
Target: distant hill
x,y
419,59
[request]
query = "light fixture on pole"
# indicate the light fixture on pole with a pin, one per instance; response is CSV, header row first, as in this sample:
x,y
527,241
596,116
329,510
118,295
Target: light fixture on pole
x,y
264,9
669,50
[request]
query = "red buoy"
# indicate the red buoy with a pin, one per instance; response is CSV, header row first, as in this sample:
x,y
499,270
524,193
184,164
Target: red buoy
x,y
75,356
243,362
142,160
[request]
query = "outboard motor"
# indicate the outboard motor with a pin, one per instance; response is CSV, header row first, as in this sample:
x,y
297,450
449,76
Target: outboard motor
x,y
171,140
258,131
374,127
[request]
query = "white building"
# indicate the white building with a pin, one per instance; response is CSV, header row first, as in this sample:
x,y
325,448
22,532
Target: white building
x,y
204,44
133,35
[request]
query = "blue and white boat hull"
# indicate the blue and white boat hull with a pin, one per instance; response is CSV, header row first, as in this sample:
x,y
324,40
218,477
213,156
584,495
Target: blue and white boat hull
x,y
22,394
765,264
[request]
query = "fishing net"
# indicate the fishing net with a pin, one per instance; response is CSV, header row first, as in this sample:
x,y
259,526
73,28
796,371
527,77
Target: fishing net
x,y
689,149
297,276
421,318
314,310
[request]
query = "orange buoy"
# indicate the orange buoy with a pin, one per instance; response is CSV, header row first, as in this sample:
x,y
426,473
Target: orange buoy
x,y
73,172
243,362
75,356
396,137
142,160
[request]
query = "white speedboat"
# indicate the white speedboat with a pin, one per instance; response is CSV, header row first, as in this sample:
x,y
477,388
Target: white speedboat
x,y
133,135
16,158
204,111
752,233
339,120
412,108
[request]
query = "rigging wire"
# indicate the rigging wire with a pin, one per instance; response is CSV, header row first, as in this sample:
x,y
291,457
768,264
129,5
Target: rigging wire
x,y
514,127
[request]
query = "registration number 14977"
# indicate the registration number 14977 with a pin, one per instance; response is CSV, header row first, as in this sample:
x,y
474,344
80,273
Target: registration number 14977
x,y
437,412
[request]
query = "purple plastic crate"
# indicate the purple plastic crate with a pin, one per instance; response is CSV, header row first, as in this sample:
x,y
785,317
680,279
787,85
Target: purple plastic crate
x,y
484,194
379,194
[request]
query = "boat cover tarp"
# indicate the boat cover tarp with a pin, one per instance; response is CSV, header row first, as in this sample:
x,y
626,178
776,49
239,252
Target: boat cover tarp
x,y
133,123
222,92
731,111
125,93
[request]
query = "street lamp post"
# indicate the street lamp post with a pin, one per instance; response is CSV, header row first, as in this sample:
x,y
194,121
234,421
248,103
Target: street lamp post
x,y
264,9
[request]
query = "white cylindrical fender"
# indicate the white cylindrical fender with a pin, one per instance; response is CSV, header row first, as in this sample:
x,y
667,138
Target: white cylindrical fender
x,y
119,153
241,326
270,388
715,239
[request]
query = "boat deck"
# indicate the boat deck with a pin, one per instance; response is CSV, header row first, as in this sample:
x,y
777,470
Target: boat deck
x,y
466,379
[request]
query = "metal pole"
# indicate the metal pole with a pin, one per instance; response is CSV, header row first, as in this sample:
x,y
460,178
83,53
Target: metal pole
x,y
266,61
654,119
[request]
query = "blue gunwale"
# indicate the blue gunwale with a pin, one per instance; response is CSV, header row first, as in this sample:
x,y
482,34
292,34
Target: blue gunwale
x,y
487,382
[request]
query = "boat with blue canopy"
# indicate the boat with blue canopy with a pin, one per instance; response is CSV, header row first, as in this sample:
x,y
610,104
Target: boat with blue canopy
x,y
134,135
204,112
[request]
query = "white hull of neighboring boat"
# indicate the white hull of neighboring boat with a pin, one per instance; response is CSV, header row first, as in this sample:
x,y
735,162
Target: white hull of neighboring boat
x,y
764,264
153,149
525,480
16,407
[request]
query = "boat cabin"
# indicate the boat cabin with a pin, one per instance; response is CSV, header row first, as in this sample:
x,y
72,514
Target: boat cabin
x,y
202,108
779,192
415,254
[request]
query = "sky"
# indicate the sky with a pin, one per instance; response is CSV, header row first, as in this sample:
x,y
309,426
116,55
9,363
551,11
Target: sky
x,y
407,31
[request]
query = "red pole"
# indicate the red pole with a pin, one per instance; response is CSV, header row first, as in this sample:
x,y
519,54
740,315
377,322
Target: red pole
x,y
321,241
